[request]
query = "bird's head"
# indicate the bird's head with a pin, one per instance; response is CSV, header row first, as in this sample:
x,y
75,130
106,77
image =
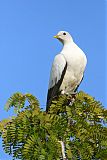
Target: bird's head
x,y
63,37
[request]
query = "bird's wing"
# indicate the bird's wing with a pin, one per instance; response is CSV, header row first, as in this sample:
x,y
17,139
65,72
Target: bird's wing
x,y
58,71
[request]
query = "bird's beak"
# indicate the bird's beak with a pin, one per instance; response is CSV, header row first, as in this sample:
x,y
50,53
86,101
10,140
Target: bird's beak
x,y
56,36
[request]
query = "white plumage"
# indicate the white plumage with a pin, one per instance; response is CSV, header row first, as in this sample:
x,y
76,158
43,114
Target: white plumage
x,y
67,68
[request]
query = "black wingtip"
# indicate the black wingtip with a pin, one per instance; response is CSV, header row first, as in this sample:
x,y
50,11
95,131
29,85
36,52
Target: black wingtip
x,y
54,91
48,104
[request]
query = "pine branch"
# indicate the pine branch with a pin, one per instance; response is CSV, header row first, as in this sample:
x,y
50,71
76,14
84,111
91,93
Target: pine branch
x,y
35,134
63,150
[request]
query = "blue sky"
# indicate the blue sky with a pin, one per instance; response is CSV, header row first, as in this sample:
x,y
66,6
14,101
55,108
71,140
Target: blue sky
x,y
27,46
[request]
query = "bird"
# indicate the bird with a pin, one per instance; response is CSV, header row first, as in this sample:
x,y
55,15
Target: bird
x,y
67,70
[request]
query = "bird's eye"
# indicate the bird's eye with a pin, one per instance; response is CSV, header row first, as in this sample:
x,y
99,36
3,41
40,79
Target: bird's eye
x,y
64,33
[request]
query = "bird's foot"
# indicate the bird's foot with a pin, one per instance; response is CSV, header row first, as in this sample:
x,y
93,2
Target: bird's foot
x,y
73,93
72,97
63,92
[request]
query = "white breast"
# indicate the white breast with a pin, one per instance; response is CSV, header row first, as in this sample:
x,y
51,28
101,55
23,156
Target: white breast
x,y
76,63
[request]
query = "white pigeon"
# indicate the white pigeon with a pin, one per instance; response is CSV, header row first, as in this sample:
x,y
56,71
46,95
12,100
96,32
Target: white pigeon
x,y
67,69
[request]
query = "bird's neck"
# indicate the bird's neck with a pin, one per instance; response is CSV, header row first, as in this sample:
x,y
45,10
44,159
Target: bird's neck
x,y
67,45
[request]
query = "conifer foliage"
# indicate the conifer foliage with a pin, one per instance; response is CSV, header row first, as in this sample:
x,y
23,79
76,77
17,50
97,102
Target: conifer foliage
x,y
34,134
